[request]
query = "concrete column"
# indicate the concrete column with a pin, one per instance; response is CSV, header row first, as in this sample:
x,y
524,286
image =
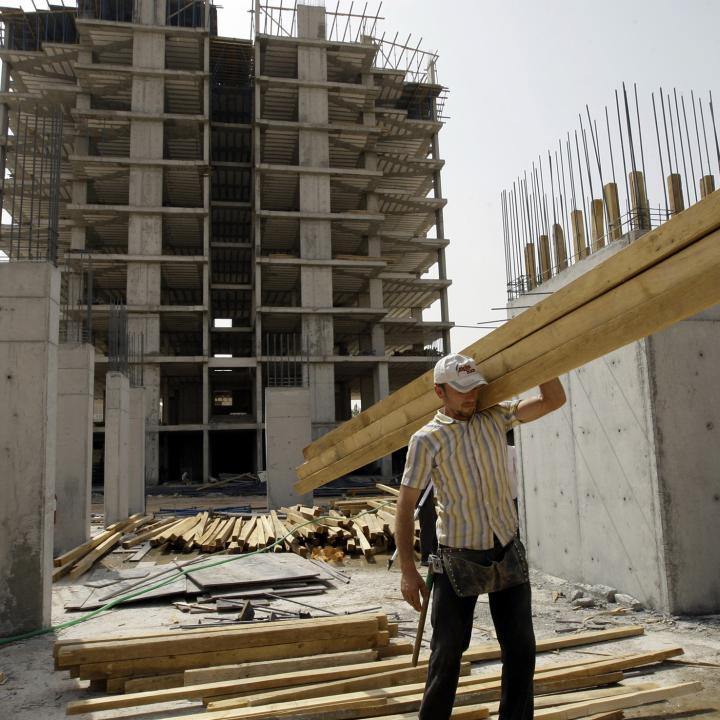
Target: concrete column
x,y
136,455
287,432
117,435
145,230
315,235
73,466
29,320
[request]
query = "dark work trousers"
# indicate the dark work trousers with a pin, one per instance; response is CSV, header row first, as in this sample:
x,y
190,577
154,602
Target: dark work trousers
x,y
452,619
428,533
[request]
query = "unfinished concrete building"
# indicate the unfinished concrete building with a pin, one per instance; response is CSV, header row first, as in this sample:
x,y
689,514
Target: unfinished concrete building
x,y
267,209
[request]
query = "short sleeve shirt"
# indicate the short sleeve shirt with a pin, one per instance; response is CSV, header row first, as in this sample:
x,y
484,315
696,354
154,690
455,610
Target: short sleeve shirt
x,y
467,463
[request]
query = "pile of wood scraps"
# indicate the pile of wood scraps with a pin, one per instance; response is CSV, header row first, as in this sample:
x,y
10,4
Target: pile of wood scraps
x,y
79,560
354,527
352,667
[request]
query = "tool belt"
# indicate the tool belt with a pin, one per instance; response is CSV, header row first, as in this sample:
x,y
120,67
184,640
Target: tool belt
x,y
476,572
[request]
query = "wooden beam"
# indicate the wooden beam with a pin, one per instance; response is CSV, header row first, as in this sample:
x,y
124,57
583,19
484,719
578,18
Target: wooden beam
x,y
386,670
676,288
272,667
173,663
243,637
619,702
669,238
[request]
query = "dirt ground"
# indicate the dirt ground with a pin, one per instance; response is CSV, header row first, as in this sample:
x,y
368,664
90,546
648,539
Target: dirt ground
x,y
33,691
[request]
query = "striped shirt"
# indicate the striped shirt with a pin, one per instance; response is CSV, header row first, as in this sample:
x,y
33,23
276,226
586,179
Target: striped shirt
x,y
467,464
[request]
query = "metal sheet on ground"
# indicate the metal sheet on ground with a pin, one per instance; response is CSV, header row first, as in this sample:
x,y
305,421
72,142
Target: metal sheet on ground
x,y
256,570
95,600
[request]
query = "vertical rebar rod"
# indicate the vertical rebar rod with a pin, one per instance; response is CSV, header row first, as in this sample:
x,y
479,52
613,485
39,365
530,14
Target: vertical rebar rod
x,y
686,189
582,189
712,117
512,219
518,254
43,155
22,188
503,211
596,147
544,197
563,202
707,151
631,145
622,150
692,165
697,134
552,187
33,187
518,214
672,134
610,147
662,168
640,137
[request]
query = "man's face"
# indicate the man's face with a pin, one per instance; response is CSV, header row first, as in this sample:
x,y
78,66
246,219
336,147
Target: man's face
x,y
458,405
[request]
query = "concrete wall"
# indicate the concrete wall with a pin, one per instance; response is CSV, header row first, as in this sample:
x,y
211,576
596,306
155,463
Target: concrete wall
x,y
117,437
287,432
686,387
136,451
621,485
29,319
73,465
589,481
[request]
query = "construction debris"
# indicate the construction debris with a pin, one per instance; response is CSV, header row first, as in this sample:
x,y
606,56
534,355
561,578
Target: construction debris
x,y
351,668
354,526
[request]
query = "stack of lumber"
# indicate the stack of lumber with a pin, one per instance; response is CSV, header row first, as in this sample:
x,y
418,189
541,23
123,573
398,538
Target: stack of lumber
x,y
294,529
350,669
665,276
162,653
79,560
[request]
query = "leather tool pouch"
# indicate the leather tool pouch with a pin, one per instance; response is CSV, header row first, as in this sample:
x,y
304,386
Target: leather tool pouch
x,y
471,573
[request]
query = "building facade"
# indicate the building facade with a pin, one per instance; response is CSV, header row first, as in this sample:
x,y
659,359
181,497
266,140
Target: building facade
x,y
269,210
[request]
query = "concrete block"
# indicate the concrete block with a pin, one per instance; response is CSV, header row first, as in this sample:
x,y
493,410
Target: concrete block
x,y
136,454
30,280
73,468
287,432
28,388
117,431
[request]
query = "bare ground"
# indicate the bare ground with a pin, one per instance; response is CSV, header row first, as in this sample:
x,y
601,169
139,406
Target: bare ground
x,y
33,691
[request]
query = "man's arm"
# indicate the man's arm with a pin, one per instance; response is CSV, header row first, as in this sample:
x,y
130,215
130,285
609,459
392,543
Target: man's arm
x,y
552,397
412,585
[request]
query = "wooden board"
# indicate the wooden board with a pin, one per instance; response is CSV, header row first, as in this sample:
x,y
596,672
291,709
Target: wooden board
x,y
662,242
678,287
385,671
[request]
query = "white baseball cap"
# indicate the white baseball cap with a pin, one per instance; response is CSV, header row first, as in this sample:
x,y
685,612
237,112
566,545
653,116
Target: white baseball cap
x,y
459,372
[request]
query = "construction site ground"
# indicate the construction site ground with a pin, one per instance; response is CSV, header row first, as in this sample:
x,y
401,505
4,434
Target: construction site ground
x,y
31,690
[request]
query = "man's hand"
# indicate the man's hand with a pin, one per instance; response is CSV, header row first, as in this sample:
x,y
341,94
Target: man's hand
x,y
413,588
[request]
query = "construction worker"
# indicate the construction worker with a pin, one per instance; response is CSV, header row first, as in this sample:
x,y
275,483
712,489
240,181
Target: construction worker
x,y
464,452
